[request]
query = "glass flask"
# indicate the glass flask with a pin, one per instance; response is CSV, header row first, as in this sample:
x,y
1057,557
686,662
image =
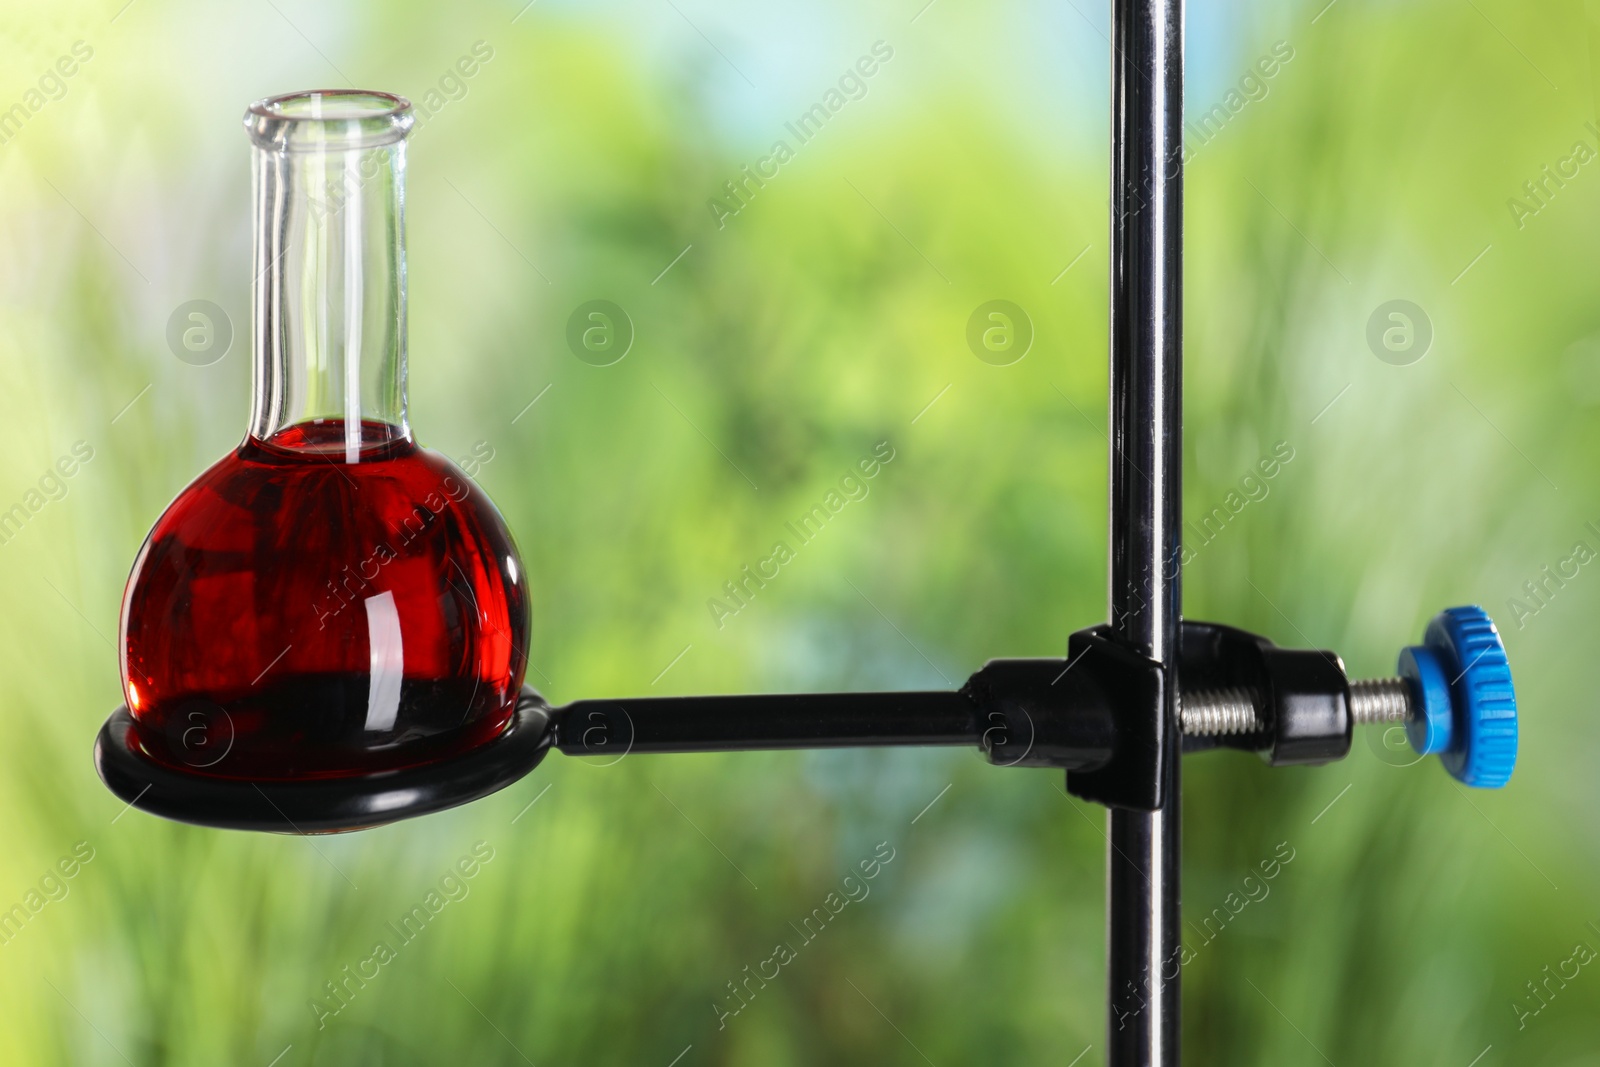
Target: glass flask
x,y
329,599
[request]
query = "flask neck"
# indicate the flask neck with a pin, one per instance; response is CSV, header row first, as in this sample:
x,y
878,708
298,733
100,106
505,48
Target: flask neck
x,y
328,306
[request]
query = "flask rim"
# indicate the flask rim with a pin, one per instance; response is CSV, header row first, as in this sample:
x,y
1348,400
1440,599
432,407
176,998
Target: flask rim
x,y
324,120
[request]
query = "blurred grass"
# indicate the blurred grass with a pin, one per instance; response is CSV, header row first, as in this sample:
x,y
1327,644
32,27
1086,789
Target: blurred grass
x,y
820,321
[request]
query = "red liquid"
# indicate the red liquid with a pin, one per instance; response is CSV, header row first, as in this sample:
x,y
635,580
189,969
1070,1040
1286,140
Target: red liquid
x,y
296,616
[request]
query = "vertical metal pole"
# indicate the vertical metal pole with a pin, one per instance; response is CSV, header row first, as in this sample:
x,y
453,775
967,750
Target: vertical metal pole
x,y
1144,856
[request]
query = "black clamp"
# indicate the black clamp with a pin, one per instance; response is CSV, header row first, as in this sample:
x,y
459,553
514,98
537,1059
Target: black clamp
x,y
1099,714
1301,696
1108,717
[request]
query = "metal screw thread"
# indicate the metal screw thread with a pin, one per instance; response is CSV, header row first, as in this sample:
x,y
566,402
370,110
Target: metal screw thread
x,y
1380,700
1216,712
1232,710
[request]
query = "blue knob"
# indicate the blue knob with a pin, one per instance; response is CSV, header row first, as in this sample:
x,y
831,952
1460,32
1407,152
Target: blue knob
x,y
1465,708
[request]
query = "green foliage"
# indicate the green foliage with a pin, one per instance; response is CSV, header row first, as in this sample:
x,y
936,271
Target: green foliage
x,y
782,347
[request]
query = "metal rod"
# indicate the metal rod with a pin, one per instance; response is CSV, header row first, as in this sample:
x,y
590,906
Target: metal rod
x,y
1143,857
788,721
1019,712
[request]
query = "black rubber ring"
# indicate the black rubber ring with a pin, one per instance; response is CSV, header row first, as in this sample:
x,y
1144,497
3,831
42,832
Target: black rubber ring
x,y
326,805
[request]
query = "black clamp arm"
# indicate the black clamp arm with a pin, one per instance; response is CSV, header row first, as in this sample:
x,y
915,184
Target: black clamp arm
x,y
1101,714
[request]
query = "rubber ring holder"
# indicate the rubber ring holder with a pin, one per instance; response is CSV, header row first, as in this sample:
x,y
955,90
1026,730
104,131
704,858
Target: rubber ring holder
x,y
323,805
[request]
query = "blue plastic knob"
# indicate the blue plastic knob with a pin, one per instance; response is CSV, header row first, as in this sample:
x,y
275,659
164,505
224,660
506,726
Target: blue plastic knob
x,y
1466,705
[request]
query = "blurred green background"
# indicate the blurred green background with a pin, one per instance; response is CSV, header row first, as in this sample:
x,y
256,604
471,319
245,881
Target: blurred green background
x,y
1378,162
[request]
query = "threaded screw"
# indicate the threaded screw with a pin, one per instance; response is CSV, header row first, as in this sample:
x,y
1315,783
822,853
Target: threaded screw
x,y
1236,709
